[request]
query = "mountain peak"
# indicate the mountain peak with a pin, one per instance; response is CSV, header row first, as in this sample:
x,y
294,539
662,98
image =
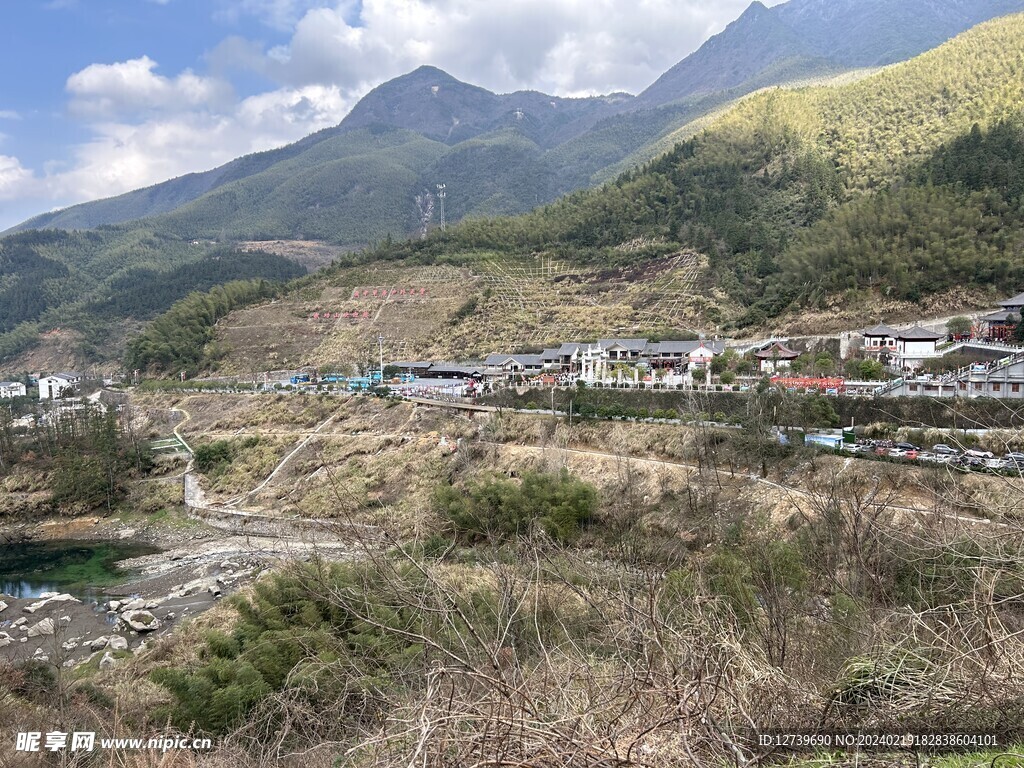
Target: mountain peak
x,y
755,9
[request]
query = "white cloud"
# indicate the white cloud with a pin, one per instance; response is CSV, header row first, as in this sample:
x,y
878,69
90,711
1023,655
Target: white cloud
x,y
566,47
278,14
14,178
122,156
130,87
9,114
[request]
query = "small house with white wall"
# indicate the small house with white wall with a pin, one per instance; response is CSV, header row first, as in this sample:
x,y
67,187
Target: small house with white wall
x,y
879,339
569,356
682,355
11,389
55,387
73,376
550,359
623,350
915,346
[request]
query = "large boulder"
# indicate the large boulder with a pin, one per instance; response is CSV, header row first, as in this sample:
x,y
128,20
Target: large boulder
x,y
140,621
44,627
48,599
137,604
5,639
98,644
3,606
108,661
117,643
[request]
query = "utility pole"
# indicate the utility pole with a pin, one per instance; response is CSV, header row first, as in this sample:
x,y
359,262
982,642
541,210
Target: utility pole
x,y
441,194
380,349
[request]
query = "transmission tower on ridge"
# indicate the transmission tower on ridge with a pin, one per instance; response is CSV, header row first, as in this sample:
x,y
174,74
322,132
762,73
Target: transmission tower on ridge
x,y
441,196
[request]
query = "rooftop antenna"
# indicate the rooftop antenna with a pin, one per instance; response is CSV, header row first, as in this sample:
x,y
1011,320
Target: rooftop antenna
x,y
441,196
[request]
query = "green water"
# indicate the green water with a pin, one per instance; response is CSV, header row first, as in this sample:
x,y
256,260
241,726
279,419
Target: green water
x,y
80,568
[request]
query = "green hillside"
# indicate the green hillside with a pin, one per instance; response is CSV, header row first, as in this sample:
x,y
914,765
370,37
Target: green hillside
x,y
91,282
356,183
902,185
904,182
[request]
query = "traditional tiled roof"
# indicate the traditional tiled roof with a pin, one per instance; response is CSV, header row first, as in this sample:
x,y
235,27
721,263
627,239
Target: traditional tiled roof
x,y
1000,317
1016,302
633,345
881,330
917,333
777,351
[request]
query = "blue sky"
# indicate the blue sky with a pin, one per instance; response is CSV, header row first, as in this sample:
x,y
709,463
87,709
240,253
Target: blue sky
x,y
98,97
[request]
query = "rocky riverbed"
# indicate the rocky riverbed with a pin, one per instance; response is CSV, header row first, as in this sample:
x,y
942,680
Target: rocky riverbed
x,y
197,567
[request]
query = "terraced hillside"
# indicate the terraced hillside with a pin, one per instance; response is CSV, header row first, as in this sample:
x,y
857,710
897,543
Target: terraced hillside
x,y
491,304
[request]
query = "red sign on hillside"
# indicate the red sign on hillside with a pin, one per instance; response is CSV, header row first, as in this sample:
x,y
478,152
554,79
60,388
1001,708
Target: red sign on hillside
x,y
805,382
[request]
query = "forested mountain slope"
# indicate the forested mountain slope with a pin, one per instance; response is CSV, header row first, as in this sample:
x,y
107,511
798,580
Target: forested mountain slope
x,y
899,187
822,35
505,154
93,282
896,182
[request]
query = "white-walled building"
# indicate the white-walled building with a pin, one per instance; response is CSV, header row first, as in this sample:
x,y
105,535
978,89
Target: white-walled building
x,y
509,366
56,386
10,389
914,347
879,339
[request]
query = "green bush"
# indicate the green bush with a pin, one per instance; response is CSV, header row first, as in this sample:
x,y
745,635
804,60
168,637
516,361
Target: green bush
x,y
500,508
290,619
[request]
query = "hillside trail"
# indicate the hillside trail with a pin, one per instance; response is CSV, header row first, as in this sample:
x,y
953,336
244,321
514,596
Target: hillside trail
x,y
281,464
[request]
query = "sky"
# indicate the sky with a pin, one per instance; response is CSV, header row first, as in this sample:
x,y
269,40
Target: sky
x,y
98,97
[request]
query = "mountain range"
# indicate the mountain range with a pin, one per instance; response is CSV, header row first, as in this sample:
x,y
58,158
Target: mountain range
x,y
801,210
505,154
764,226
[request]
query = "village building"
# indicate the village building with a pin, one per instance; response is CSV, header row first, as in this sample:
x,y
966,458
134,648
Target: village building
x,y
682,355
447,370
510,366
999,326
57,386
776,357
623,350
569,357
11,389
999,379
878,340
417,368
551,359
914,347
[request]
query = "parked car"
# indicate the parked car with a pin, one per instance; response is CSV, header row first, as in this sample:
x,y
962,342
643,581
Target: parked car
x,y
897,453
983,455
1015,458
996,463
908,446
944,449
927,457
